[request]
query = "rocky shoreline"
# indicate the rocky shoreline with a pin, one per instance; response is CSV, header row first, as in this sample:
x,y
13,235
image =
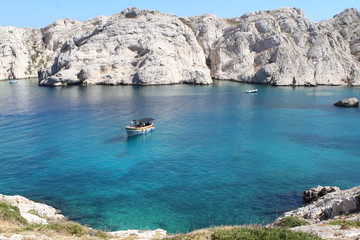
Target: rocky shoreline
x,y
328,205
144,47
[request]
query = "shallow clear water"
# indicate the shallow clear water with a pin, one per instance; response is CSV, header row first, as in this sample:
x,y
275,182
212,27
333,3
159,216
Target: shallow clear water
x,y
218,155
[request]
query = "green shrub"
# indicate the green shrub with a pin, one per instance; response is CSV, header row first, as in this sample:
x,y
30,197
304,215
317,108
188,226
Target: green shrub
x,y
289,222
355,224
232,22
70,228
75,229
256,233
34,212
102,235
11,213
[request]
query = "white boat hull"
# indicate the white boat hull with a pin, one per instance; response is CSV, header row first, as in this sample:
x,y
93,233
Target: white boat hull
x,y
132,131
252,91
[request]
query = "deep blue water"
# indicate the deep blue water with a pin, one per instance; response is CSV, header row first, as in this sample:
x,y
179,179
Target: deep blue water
x,y
218,155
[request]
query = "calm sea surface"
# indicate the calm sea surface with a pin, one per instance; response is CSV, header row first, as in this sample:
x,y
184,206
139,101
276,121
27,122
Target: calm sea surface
x,y
218,155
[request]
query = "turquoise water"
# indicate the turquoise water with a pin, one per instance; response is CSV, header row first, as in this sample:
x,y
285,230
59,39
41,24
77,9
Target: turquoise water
x,y
218,155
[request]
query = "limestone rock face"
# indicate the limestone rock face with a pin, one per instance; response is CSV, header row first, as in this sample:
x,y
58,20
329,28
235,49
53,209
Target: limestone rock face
x,y
134,47
207,29
314,194
338,205
142,47
329,206
21,53
350,102
28,208
282,47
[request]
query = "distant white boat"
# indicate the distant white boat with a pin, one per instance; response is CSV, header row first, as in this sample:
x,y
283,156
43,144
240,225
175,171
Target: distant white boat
x,y
140,126
13,81
251,91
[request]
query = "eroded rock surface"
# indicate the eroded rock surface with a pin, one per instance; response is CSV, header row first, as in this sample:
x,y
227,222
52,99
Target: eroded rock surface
x,y
21,52
282,47
33,212
143,47
315,193
350,102
340,205
136,46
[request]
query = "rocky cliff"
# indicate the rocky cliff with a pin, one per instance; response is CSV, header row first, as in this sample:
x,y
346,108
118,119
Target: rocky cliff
x,y
282,47
143,47
333,214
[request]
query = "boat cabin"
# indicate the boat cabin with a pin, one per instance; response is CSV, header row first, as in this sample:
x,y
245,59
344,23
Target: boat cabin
x,y
142,122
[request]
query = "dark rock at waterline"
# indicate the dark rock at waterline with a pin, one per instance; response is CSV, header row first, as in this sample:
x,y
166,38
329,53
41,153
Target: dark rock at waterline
x,y
350,102
314,194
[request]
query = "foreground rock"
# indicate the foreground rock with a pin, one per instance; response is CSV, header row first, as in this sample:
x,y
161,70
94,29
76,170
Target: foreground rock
x,y
38,214
343,206
350,102
142,47
155,234
329,206
33,212
333,232
314,194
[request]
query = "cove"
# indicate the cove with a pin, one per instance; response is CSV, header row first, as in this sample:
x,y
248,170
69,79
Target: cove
x,y
218,156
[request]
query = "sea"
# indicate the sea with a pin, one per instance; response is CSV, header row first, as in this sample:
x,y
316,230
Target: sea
x,y
218,155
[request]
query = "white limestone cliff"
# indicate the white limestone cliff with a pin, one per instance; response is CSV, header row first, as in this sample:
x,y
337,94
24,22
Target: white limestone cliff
x,y
20,55
282,47
132,47
143,47
33,212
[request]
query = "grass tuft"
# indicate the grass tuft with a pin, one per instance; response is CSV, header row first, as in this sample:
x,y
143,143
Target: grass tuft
x,y
354,224
245,233
290,222
102,235
67,228
34,212
11,214
262,233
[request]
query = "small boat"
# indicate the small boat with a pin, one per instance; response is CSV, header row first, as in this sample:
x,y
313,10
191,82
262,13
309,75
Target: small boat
x,y
251,91
13,81
140,126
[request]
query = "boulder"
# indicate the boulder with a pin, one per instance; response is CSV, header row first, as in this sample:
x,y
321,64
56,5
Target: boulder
x,y
350,102
329,206
314,194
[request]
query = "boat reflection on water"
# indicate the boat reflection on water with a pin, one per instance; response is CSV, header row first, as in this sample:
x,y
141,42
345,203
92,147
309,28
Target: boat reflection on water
x,y
135,140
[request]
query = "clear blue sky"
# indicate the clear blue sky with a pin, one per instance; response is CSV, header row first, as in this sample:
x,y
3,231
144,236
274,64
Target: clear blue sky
x,y
40,13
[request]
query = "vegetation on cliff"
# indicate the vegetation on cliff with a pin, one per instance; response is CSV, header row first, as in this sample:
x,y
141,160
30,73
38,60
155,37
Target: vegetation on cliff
x,y
247,233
